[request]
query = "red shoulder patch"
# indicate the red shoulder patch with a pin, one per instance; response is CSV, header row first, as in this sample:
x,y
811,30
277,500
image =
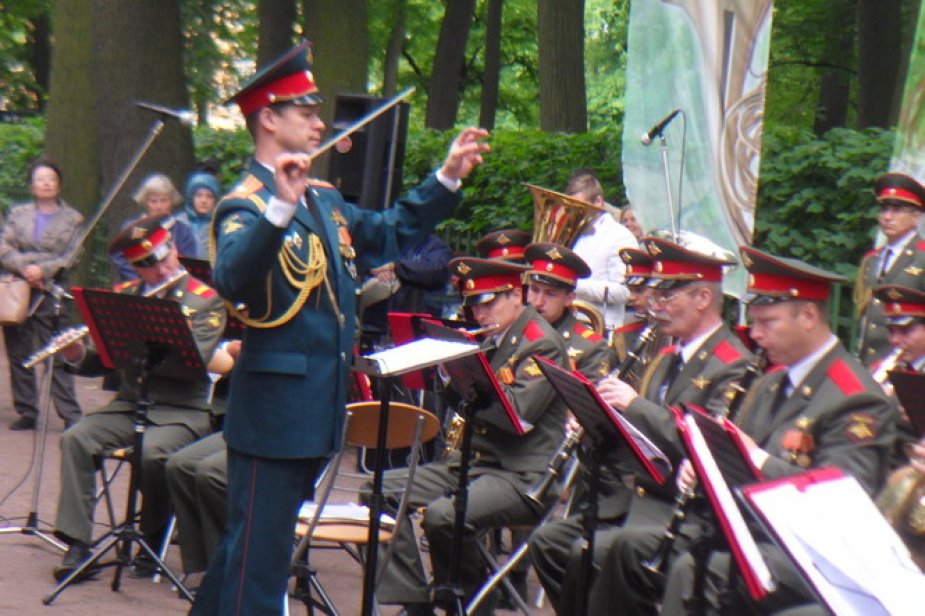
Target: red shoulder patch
x,y
199,288
533,331
631,327
844,378
671,349
586,332
920,244
726,353
128,284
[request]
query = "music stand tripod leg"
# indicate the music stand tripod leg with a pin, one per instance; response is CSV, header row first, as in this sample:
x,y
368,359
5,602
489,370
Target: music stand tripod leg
x,y
127,534
451,596
589,517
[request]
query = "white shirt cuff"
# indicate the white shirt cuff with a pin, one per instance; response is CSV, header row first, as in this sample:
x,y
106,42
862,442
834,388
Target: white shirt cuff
x,y
280,213
450,184
759,457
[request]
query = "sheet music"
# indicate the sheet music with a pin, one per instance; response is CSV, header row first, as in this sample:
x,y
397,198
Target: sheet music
x,y
753,564
348,513
421,353
845,547
588,406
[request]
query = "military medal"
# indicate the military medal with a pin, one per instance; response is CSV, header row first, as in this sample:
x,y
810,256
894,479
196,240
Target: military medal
x,y
345,243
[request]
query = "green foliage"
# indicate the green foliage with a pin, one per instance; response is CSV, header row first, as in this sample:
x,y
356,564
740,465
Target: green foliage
x,y
20,144
815,199
495,196
18,88
606,26
231,148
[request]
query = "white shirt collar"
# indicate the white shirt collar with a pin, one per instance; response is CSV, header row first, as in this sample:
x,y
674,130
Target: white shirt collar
x,y
803,367
688,350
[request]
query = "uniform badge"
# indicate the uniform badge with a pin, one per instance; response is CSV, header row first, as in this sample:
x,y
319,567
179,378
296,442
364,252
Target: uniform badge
x,y
231,224
700,382
912,270
215,319
506,375
295,239
861,427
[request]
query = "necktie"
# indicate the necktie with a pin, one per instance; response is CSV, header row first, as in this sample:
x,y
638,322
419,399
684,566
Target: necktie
x,y
885,264
673,372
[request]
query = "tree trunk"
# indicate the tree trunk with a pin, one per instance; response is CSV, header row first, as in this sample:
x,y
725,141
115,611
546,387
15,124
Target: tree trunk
x,y
879,58
138,57
835,83
275,29
71,134
489,102
393,50
561,35
40,55
449,59
338,30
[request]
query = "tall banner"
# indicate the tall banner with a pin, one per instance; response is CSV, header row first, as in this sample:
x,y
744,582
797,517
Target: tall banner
x,y
909,149
709,61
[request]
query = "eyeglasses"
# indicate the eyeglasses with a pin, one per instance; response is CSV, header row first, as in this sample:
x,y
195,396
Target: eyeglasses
x,y
668,297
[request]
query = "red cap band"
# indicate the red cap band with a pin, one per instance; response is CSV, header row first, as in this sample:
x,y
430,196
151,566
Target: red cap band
x,y
506,253
797,288
900,194
488,284
287,88
681,270
146,246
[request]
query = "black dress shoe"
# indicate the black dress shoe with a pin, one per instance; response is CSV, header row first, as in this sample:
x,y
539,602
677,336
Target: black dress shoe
x,y
143,566
23,423
76,555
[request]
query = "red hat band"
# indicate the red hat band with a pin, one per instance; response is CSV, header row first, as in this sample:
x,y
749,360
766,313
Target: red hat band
x,y
798,288
146,246
638,270
904,309
301,83
555,270
488,284
900,194
506,252
682,270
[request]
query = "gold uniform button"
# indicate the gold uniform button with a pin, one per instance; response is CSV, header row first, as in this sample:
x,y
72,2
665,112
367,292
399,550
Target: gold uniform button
x,y
640,492
481,430
876,301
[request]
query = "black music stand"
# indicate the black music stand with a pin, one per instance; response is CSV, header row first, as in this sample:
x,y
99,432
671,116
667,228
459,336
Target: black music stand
x,y
908,386
482,395
604,427
721,461
152,336
388,366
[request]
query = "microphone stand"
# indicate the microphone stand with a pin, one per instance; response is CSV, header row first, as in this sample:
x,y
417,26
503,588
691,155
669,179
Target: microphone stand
x,y
31,526
663,151
54,291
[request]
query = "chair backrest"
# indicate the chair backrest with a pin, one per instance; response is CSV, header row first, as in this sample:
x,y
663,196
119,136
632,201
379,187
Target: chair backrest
x,y
362,429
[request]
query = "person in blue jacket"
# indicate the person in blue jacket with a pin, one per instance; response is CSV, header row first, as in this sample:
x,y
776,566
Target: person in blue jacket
x,y
286,247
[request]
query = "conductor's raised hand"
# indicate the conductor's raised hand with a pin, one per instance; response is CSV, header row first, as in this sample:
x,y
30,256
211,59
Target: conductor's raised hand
x,y
291,176
465,153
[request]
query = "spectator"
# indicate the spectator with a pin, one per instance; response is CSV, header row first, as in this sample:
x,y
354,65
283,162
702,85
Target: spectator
x,y
202,193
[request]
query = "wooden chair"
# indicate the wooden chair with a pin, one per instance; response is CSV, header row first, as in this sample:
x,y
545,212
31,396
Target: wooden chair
x,y
408,426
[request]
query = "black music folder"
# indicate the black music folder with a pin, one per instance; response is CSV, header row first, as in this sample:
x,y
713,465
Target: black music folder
x,y
601,422
716,450
125,328
475,382
909,386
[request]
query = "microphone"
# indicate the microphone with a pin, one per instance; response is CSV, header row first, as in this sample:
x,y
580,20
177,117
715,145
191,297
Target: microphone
x,y
657,130
185,116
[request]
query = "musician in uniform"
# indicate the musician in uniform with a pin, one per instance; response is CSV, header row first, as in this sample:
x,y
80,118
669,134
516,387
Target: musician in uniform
x,y
554,271
508,244
687,301
288,246
503,465
819,408
638,271
179,413
900,262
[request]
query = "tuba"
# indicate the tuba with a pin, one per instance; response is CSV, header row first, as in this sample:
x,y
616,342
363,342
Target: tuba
x,y
902,503
559,218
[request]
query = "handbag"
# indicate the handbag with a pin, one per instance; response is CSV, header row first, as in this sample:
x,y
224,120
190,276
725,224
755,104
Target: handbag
x,y
14,299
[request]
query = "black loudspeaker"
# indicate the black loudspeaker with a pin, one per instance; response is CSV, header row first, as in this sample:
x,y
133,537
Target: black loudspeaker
x,y
369,173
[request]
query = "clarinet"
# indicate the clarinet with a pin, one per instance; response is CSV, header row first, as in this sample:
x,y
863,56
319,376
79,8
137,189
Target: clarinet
x,y
554,467
682,501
